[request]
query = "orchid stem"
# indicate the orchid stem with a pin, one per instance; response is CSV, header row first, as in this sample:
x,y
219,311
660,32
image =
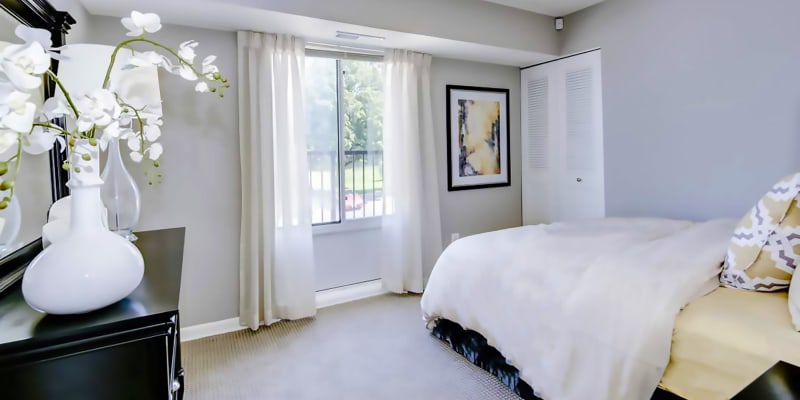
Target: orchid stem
x,y
107,78
63,90
51,126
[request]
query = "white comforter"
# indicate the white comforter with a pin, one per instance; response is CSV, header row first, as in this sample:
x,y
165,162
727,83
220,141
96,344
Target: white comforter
x,y
583,310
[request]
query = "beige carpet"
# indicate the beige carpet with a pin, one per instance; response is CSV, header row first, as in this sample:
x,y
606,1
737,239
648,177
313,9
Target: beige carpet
x,y
372,349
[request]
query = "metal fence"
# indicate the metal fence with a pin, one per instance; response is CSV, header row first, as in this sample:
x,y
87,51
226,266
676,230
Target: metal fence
x,y
362,195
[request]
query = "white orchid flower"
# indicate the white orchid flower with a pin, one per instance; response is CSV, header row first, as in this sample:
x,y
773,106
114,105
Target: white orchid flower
x,y
8,139
209,59
186,50
147,58
134,143
16,112
41,36
209,69
138,23
55,108
114,130
201,87
136,156
154,151
152,132
186,72
41,140
31,35
98,108
24,64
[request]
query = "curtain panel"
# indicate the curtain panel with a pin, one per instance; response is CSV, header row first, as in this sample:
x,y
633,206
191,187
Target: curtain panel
x,y
276,251
411,233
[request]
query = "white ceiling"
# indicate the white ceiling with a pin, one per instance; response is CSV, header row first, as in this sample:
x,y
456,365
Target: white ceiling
x,y
554,8
216,14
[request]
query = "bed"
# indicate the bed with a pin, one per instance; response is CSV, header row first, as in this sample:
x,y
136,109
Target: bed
x,y
609,309
725,340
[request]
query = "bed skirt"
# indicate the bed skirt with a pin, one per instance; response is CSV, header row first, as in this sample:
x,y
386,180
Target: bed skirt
x,y
474,347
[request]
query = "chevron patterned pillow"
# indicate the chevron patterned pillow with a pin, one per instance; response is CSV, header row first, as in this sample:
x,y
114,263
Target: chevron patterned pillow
x,y
765,247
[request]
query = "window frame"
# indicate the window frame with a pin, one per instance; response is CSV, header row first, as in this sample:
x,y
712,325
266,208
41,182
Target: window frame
x,y
344,224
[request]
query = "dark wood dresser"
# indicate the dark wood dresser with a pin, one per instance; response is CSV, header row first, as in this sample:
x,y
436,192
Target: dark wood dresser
x,y
127,351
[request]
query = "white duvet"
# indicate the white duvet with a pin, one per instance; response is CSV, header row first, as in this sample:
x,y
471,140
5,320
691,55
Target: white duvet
x,y
583,310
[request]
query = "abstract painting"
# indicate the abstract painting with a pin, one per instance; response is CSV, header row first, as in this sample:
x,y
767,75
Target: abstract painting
x,y
477,138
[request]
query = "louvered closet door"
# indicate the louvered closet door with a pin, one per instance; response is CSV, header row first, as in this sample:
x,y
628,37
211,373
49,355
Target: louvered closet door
x,y
563,140
581,183
537,146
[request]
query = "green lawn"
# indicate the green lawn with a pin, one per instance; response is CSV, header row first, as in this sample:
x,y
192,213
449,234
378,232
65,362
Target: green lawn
x,y
365,179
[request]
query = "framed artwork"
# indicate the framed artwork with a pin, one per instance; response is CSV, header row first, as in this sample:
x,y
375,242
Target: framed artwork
x,y
477,138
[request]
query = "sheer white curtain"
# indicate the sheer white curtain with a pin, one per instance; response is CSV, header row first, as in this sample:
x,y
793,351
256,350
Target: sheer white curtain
x,y
411,228
276,251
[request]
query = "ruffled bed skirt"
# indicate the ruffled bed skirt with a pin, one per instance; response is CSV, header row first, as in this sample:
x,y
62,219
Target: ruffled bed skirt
x,y
474,347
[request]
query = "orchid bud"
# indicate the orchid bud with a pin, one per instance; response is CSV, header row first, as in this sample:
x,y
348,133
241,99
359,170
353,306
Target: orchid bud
x,y
93,142
3,205
5,185
3,168
86,157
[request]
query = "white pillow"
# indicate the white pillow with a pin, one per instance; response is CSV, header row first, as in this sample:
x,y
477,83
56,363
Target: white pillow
x,y
794,301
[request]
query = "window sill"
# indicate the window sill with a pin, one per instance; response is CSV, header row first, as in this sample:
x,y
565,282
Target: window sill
x,y
353,225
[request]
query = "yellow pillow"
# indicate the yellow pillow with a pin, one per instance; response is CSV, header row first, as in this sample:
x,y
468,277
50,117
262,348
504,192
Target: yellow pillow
x,y
765,247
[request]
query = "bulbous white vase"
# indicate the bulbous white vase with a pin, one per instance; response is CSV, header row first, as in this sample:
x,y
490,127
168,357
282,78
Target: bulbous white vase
x,y
91,267
58,225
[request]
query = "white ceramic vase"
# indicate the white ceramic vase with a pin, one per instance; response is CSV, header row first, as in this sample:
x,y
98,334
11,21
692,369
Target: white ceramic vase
x,y
91,267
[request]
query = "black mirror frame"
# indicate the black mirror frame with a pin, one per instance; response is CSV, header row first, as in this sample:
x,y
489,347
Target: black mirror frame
x,y
39,14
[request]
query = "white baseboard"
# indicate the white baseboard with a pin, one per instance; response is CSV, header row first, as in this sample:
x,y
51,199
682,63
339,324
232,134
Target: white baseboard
x,y
210,329
324,298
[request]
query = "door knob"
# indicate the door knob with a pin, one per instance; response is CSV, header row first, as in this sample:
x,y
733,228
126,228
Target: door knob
x,y
579,180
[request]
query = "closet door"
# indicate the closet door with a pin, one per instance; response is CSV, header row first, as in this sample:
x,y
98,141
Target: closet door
x,y
537,146
563,178
580,176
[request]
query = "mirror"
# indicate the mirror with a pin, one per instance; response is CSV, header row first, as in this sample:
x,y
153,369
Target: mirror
x,y
41,179
27,212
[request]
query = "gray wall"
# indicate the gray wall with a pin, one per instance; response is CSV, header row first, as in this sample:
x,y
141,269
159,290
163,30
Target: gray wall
x,y
202,184
79,32
701,101
474,211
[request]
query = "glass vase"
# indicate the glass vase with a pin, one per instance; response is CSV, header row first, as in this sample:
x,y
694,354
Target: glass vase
x,y
120,194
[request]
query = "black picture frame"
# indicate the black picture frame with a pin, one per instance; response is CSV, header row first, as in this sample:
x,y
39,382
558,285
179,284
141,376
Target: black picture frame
x,y
40,14
456,94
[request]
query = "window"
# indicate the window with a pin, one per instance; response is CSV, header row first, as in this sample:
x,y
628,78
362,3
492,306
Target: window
x,y
344,114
